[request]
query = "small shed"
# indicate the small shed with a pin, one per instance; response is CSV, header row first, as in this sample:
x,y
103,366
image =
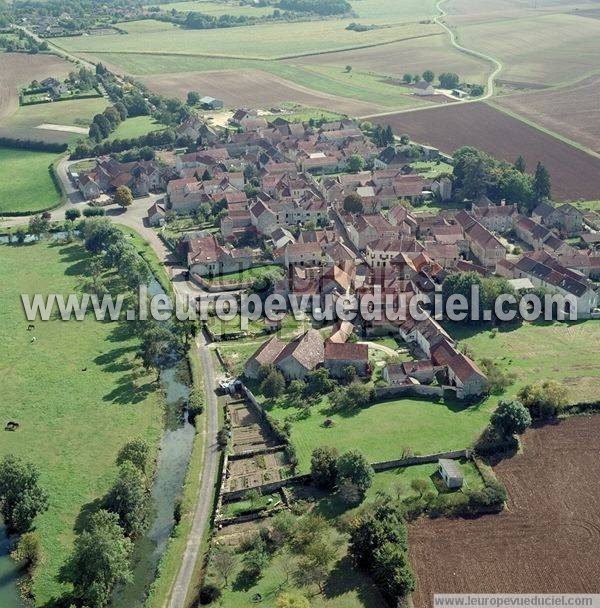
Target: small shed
x,y
451,473
210,103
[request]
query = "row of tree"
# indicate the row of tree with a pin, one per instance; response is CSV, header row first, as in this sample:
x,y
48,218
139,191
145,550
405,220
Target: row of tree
x,y
145,145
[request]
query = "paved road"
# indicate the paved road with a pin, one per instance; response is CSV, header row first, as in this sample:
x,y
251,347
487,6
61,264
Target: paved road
x,y
490,81
208,480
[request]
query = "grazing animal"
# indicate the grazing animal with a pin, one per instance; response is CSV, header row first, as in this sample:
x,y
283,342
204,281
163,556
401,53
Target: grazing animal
x,y
30,327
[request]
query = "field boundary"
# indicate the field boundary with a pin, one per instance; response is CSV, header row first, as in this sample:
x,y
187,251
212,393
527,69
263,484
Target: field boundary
x,y
539,127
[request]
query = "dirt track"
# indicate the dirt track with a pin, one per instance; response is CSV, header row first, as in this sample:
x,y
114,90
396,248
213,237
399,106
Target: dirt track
x,y
254,89
547,540
18,69
574,173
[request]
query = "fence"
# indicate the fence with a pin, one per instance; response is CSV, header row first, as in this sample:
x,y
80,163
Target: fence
x,y
421,390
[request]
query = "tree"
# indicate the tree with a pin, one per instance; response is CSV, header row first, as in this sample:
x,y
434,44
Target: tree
x,y
543,399
193,98
95,133
282,528
38,225
356,163
291,600
353,203
314,567
348,69
123,197
541,183
324,467
224,561
99,562
129,499
392,572
21,497
520,164
349,493
353,466
157,342
136,451
318,382
349,373
449,80
99,233
498,379
273,385
356,395
404,139
510,418
20,235
428,76
407,78
222,439
256,559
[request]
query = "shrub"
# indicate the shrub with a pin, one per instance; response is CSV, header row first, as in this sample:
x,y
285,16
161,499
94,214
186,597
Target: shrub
x,y
209,593
72,214
195,404
93,212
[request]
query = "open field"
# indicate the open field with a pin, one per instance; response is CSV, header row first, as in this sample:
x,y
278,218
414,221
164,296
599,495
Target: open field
x,y
412,56
547,539
574,173
537,352
135,127
572,111
393,11
25,181
546,50
252,88
267,41
73,422
19,69
384,429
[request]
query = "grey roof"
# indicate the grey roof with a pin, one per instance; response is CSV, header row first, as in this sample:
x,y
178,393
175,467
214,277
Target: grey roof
x,y
451,467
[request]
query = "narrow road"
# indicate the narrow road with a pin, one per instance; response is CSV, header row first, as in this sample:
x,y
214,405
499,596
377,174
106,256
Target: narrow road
x,y
208,480
489,92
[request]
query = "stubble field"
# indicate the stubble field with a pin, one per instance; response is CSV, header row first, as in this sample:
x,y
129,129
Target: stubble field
x,y
547,539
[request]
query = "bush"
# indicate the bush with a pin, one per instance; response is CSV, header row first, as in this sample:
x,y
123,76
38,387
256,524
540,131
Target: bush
x,y
209,593
72,214
195,404
94,212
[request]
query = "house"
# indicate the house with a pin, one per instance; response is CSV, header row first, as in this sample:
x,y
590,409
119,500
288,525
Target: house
x,y
341,332
393,374
339,356
363,229
531,232
497,218
88,187
210,103
463,373
205,257
423,88
156,215
266,354
301,355
420,370
451,473
302,254
482,243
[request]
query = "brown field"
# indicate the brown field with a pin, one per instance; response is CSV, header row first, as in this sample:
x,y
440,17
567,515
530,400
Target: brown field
x,y
575,174
253,88
413,56
573,111
19,69
546,541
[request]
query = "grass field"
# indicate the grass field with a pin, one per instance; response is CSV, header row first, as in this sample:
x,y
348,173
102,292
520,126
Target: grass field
x,y
135,127
25,181
77,113
393,11
73,422
557,351
249,274
260,41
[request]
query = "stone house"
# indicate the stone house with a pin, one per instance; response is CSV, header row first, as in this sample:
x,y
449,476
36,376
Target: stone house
x,y
339,356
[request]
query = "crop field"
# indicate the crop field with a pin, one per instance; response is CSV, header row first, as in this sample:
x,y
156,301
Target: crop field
x,y
77,391
537,352
552,520
267,41
19,69
25,181
572,111
546,50
393,11
574,173
412,56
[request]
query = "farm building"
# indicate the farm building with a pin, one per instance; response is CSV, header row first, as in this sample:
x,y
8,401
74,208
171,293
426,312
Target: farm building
x,y
451,473
210,103
424,88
